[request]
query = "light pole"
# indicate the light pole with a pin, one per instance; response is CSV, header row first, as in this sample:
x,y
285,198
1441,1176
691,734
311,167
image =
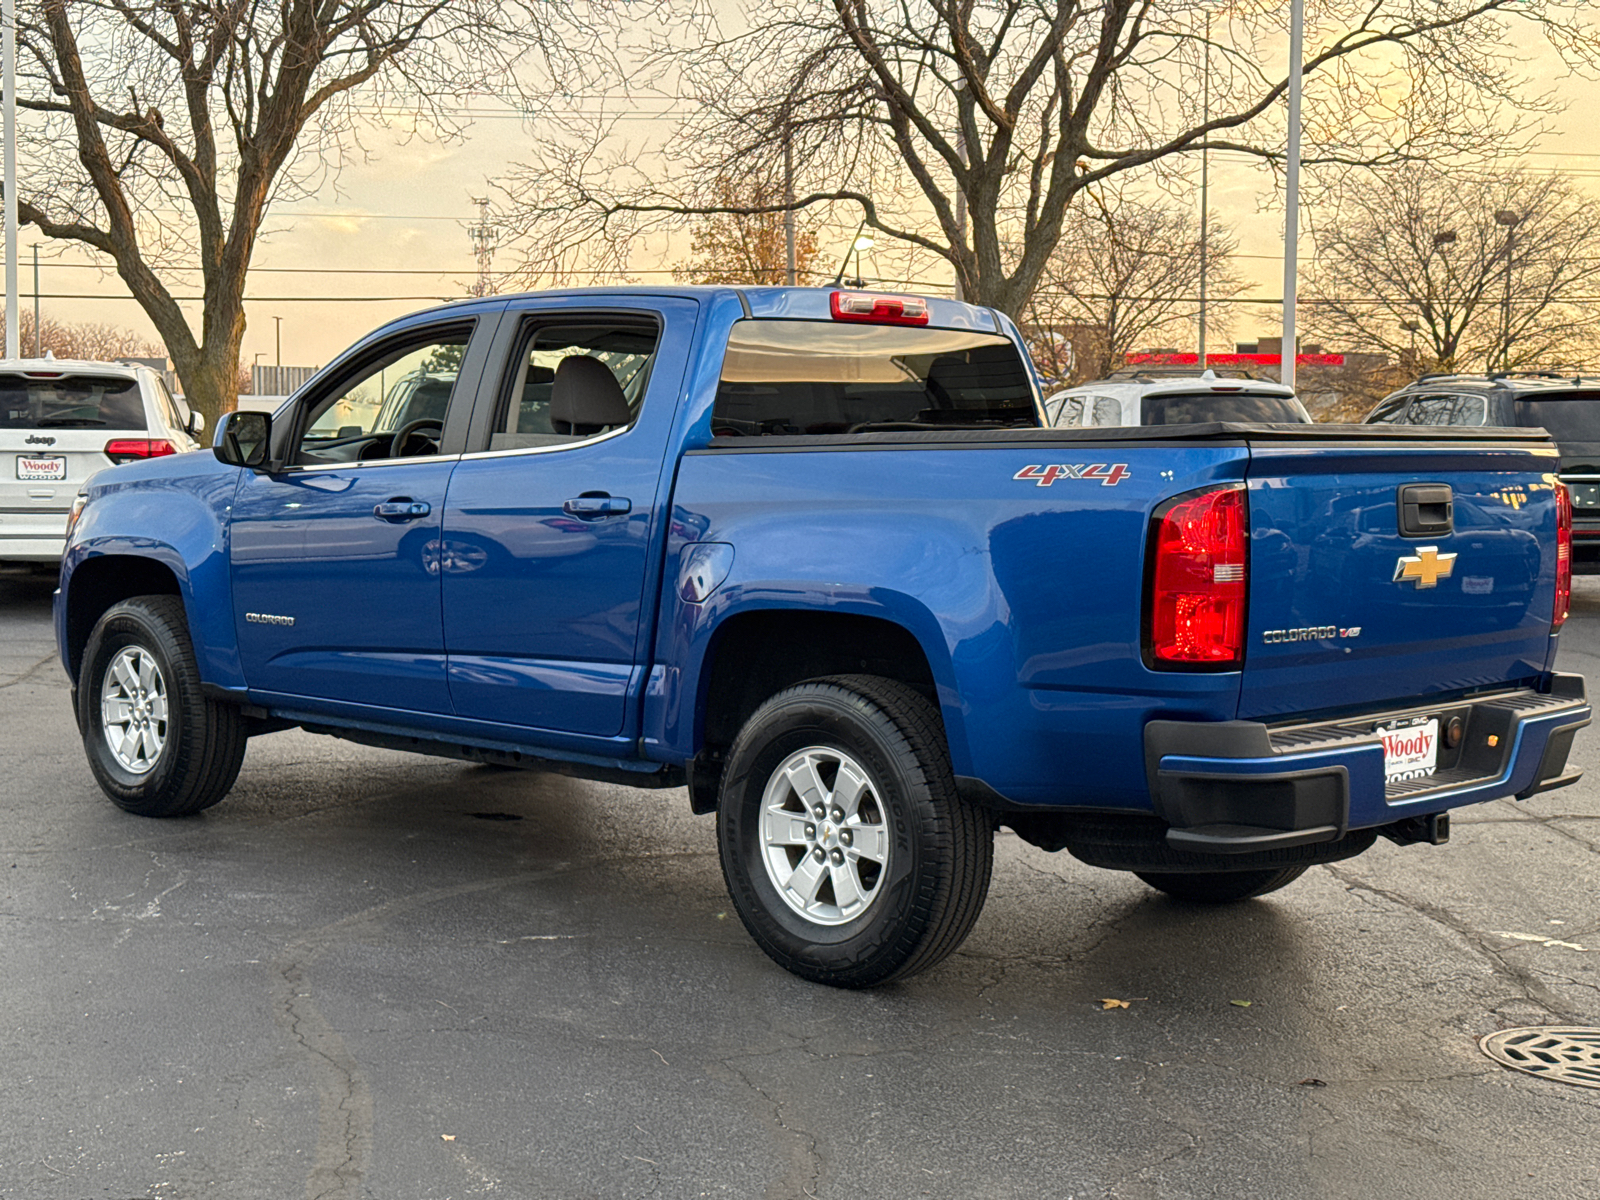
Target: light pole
x,y
1205,241
1291,195
277,329
1510,220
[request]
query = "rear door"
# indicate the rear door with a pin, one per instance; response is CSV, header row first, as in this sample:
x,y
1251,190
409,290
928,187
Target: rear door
x,y
1348,611
550,528
54,428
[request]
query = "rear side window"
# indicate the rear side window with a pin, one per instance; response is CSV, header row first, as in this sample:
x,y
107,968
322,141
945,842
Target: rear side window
x,y
70,402
1194,408
1447,410
1570,417
815,377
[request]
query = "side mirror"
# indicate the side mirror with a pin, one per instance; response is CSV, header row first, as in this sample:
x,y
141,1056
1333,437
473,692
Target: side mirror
x,y
196,424
243,439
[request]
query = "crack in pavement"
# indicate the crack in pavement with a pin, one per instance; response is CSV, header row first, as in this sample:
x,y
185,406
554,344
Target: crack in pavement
x,y
1533,989
28,675
804,1172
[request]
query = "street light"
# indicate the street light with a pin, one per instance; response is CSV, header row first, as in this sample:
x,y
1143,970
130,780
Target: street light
x,y
862,242
1510,220
1411,327
278,336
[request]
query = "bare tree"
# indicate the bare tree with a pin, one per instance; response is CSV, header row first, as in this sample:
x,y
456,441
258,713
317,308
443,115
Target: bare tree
x,y
1448,272
88,340
1130,269
167,128
968,131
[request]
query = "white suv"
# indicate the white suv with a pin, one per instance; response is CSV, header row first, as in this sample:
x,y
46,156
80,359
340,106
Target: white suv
x,y
1174,400
60,422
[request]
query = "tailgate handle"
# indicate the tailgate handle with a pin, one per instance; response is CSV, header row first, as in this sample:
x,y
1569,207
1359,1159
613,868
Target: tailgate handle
x,y
1426,510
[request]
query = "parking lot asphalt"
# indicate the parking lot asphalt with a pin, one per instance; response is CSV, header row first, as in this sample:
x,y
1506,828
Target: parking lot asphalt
x,y
371,975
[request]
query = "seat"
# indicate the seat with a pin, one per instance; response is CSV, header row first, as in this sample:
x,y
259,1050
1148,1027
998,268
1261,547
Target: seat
x,y
585,397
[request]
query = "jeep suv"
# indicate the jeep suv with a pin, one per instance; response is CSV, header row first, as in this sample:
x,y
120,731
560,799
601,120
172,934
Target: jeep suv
x,y
1567,406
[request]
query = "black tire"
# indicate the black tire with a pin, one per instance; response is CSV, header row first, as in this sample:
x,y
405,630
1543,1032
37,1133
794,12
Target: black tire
x,y
1221,887
920,901
201,742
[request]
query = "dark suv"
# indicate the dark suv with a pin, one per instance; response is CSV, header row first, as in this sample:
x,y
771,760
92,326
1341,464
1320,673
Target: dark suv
x,y
1568,406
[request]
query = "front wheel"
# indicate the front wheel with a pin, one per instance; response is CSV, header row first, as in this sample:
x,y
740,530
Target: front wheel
x,y
158,746
849,854
1220,887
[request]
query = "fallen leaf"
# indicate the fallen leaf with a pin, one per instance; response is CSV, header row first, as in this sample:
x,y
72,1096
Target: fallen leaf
x,y
1309,1082
1240,1003
449,1137
722,916
1109,1004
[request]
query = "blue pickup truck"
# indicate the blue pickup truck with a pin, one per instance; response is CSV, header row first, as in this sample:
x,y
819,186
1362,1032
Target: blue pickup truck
x,y
809,553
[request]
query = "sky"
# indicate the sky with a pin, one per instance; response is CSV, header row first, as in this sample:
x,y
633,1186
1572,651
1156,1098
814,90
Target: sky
x,y
390,235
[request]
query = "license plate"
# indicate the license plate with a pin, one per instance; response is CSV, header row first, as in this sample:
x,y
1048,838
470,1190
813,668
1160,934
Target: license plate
x,y
42,466
1410,748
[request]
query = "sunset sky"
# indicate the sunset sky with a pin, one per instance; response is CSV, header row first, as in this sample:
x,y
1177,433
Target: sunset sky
x,y
391,237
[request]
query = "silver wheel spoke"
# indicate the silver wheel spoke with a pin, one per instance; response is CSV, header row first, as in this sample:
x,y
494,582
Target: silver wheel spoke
x,y
806,879
807,784
848,789
847,891
147,672
124,672
158,708
870,842
784,828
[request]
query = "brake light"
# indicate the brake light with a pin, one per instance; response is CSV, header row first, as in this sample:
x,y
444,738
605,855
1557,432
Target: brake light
x,y
1199,580
878,310
1563,556
123,450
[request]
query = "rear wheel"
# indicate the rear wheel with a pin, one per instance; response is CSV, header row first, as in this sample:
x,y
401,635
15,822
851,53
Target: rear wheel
x,y
848,852
158,746
1220,887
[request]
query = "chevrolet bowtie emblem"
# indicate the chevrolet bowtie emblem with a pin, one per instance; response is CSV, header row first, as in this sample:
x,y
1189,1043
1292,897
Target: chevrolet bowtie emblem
x,y
1427,566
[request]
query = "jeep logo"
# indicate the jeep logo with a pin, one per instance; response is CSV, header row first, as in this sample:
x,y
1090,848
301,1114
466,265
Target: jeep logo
x,y
34,440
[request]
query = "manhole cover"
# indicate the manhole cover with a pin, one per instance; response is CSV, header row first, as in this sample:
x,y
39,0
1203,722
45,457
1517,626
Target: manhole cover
x,y
1566,1054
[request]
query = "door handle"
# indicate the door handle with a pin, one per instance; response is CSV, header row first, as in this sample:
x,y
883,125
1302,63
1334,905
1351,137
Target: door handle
x,y
401,508
593,505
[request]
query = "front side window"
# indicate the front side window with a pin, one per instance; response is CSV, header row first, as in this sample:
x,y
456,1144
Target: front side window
x,y
71,402
392,407
821,377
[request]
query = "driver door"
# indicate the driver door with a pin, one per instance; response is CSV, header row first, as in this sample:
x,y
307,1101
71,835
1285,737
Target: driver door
x,y
335,556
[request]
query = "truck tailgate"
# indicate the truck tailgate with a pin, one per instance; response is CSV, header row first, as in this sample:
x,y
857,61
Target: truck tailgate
x,y
1347,610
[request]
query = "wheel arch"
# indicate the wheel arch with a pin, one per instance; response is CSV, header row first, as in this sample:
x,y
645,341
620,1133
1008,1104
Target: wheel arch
x,y
755,653
98,582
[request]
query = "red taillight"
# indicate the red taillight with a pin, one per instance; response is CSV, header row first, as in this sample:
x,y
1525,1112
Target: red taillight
x,y
121,450
879,310
1199,580
1563,555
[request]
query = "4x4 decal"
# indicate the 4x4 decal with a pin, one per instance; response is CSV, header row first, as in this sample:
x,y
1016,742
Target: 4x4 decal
x,y
1108,475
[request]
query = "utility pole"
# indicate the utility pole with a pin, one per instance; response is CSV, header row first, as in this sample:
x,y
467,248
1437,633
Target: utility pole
x,y
483,236
1205,214
36,342
1510,220
961,186
278,336
1291,195
8,79
791,272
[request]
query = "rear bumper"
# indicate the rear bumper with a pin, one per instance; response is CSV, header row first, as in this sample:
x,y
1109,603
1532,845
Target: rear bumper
x,y
1236,787
33,547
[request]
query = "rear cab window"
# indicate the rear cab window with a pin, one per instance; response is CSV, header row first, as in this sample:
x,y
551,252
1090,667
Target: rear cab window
x,y
783,377
624,345
1194,408
71,402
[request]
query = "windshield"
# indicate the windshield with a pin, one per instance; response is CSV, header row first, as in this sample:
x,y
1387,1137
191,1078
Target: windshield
x,y
798,377
1570,416
70,401
1194,408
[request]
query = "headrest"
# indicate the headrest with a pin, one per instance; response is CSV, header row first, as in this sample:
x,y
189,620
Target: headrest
x,y
586,397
